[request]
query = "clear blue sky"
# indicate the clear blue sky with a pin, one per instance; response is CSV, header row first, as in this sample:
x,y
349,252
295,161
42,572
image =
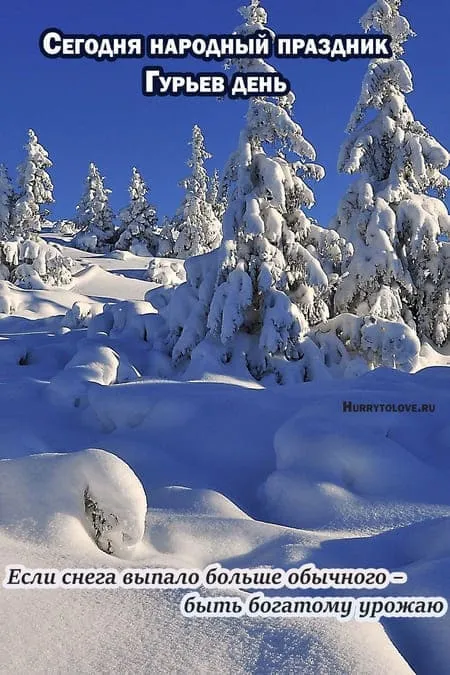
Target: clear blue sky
x,y
86,111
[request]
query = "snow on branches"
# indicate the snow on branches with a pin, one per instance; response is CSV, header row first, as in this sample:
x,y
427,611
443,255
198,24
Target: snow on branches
x,y
35,189
95,218
394,223
195,229
32,263
139,222
272,278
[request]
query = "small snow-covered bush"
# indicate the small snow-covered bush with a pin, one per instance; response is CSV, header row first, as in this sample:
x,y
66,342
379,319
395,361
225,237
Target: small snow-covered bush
x,y
67,227
86,241
131,319
81,314
378,341
166,272
33,263
92,364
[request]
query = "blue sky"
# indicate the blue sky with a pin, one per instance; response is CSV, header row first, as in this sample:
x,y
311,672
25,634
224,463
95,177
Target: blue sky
x,y
86,111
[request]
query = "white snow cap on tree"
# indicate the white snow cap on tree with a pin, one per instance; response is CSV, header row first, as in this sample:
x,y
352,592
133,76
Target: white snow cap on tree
x,y
36,188
384,16
268,282
139,221
195,228
94,215
6,203
393,223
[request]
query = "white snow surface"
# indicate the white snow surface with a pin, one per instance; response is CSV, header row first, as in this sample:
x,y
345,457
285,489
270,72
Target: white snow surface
x,y
216,469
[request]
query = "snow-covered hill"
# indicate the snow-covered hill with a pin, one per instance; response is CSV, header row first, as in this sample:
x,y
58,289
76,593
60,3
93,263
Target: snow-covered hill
x,y
213,470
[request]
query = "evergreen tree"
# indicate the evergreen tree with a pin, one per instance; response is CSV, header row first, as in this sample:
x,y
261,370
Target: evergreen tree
x,y
166,241
95,218
139,221
195,227
7,199
389,215
216,197
268,283
36,189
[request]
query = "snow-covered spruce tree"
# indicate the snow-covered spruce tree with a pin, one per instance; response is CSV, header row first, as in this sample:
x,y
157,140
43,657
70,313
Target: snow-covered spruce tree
x,y
138,221
216,197
195,227
95,218
437,297
36,189
393,222
255,298
166,241
7,201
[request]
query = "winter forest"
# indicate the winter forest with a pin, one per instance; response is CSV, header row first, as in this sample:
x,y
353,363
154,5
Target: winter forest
x,y
183,377
266,284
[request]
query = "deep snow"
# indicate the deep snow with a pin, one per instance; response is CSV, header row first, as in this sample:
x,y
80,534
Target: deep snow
x,y
214,470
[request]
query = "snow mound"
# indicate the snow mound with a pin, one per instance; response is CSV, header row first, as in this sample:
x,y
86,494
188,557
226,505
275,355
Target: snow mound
x,y
9,298
81,314
167,272
361,470
60,498
196,502
92,364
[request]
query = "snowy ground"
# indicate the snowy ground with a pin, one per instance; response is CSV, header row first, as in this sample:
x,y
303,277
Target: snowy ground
x,y
232,473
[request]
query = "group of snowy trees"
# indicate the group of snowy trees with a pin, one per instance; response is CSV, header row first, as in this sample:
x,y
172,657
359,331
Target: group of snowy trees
x,y
266,284
195,229
291,299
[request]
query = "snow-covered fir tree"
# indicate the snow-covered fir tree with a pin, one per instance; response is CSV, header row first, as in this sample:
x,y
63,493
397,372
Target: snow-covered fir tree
x,y
195,227
35,189
7,199
166,238
95,218
389,214
438,296
216,197
256,297
138,221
